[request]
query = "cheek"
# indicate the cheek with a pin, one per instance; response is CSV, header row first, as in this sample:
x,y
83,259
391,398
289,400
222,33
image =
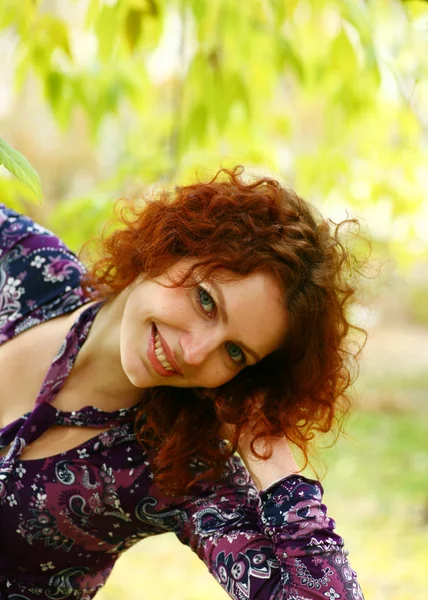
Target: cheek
x,y
175,308
155,301
215,375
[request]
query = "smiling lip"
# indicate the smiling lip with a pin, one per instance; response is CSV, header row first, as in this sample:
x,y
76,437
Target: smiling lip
x,y
158,367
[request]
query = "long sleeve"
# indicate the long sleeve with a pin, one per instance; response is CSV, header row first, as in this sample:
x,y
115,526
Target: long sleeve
x,y
39,276
277,545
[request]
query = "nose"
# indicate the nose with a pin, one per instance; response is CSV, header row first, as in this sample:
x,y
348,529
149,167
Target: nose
x,y
198,345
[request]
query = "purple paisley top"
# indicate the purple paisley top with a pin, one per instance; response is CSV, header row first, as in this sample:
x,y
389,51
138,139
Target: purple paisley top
x,y
64,520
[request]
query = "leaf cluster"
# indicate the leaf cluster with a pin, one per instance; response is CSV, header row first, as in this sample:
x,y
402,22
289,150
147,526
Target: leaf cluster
x,y
329,94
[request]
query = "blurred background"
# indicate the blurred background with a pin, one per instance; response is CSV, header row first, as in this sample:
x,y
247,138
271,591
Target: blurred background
x,y
110,98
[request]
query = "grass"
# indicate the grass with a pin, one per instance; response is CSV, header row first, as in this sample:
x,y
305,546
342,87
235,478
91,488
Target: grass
x,y
377,491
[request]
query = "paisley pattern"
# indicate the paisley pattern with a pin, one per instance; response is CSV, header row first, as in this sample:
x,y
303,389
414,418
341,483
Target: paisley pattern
x,y
64,520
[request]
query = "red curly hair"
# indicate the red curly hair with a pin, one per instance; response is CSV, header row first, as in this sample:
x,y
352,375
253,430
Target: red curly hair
x,y
227,223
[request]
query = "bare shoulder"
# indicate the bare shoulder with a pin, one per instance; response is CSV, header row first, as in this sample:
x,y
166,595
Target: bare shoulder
x,y
24,362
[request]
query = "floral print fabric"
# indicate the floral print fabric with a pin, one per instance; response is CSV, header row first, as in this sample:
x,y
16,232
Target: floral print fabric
x,y
65,519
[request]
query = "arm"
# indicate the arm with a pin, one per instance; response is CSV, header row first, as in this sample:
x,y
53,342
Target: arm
x,y
264,473
39,276
278,544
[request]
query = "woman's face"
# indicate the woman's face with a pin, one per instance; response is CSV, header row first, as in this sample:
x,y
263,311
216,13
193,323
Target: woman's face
x,y
199,336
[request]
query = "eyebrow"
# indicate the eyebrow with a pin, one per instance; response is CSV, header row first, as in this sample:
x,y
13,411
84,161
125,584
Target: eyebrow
x,y
224,317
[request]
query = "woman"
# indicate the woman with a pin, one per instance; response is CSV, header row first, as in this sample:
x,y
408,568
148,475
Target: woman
x,y
214,320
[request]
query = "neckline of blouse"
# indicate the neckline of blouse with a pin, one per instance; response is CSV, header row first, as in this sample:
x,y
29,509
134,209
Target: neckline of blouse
x,y
31,425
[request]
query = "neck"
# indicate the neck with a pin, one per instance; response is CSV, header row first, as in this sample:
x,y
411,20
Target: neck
x,y
98,363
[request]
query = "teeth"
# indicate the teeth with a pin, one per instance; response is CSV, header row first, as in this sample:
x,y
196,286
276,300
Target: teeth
x,y
160,354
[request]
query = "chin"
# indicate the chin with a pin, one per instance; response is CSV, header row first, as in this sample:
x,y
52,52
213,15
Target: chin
x,y
137,374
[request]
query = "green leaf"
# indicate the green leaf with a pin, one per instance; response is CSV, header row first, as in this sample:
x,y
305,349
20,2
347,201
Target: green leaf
x,y
343,57
53,87
19,166
199,8
289,7
106,30
133,22
13,192
416,8
288,58
280,10
58,33
196,127
92,13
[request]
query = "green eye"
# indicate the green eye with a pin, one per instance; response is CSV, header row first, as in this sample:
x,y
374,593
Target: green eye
x,y
235,353
205,300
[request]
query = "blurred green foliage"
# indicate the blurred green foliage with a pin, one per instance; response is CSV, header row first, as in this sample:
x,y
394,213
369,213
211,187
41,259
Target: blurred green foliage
x,y
329,94
418,296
